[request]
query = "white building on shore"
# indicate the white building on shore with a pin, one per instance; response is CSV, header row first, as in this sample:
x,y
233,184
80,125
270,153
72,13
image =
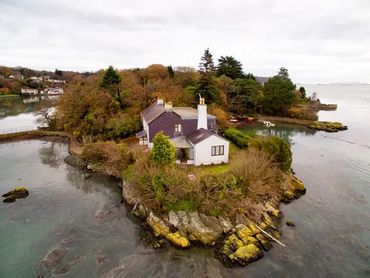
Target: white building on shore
x,y
27,91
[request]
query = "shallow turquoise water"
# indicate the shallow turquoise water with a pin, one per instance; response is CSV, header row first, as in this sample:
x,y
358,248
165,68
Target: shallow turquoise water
x,y
85,217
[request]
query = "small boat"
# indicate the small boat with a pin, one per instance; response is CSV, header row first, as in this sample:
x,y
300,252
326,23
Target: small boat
x,y
233,120
250,119
268,123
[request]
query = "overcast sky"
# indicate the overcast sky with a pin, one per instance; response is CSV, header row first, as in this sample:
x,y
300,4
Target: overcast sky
x,y
318,41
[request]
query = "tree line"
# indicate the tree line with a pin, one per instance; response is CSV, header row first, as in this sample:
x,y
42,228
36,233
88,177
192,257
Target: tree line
x,y
107,104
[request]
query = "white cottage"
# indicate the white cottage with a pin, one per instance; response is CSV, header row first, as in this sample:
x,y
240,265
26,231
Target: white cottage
x,y
192,131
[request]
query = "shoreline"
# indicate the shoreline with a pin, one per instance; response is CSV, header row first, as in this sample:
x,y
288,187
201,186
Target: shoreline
x,y
238,242
74,148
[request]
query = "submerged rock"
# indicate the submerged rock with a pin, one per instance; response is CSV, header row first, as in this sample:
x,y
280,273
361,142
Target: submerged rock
x,y
54,257
290,223
61,269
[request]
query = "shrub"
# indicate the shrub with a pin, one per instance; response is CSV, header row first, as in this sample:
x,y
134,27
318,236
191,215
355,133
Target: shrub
x,y
257,173
277,148
239,138
163,152
162,187
107,157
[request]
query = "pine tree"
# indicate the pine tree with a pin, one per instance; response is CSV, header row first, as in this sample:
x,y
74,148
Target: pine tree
x,y
206,86
230,67
206,65
283,72
111,79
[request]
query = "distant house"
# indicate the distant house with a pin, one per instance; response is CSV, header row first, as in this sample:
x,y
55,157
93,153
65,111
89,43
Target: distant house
x,y
192,131
16,76
26,91
53,91
36,79
56,81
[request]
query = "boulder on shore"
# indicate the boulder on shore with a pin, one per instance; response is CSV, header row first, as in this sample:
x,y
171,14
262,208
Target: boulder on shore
x,y
243,245
75,161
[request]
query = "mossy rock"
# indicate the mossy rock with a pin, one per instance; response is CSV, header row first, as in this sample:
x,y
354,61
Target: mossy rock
x,y
265,243
328,126
158,226
268,221
298,186
288,196
246,254
17,192
178,240
20,192
243,232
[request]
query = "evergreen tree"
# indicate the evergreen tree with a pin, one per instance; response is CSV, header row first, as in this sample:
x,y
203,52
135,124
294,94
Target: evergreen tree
x,y
230,67
250,76
283,72
279,95
206,65
111,81
206,86
171,73
246,96
163,152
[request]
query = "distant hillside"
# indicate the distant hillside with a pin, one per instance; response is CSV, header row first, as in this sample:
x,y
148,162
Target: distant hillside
x,y
12,80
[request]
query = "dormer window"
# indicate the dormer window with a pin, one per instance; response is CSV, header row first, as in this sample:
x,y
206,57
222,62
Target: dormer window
x,y
178,128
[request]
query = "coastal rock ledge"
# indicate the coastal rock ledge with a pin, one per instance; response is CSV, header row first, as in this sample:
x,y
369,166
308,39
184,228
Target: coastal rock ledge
x,y
237,243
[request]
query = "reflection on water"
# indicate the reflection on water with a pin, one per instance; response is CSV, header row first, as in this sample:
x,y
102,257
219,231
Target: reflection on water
x,y
20,112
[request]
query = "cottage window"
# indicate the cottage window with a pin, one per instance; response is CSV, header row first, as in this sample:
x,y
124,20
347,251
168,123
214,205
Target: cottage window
x,y
217,150
178,128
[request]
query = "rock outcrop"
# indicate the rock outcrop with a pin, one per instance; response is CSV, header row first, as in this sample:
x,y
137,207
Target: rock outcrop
x,y
239,242
75,161
16,193
328,126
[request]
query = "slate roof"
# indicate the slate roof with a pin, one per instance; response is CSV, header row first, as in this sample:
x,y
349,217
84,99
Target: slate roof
x,y
155,110
200,135
152,112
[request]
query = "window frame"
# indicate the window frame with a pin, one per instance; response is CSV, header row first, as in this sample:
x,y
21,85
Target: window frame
x,y
178,128
218,150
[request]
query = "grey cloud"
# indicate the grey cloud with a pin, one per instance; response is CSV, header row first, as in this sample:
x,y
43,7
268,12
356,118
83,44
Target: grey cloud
x,y
308,37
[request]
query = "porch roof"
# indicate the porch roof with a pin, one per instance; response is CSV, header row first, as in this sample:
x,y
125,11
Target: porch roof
x,y
141,134
181,142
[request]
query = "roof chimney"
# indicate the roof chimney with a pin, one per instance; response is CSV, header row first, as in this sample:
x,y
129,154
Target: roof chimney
x,y
202,114
168,106
159,101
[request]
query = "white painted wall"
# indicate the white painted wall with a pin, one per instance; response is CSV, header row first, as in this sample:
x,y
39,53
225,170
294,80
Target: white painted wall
x,y
202,117
145,127
203,155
